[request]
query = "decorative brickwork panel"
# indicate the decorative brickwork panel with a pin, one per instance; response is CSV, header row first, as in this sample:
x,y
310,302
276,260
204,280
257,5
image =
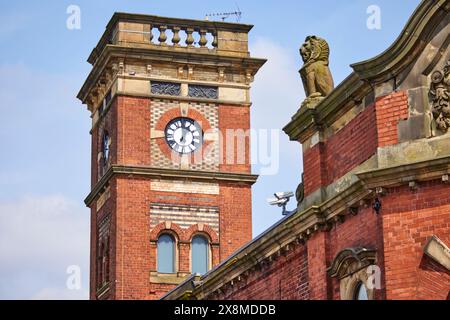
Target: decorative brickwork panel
x,y
198,91
184,216
166,88
210,159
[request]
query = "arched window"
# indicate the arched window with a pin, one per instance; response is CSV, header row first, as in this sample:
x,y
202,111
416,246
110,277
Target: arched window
x,y
166,254
105,148
200,253
361,292
100,269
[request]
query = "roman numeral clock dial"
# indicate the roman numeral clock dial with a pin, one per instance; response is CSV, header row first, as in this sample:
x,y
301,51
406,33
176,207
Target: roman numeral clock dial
x,y
183,135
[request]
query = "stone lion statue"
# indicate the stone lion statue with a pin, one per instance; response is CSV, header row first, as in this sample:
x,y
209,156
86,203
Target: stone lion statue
x,y
315,73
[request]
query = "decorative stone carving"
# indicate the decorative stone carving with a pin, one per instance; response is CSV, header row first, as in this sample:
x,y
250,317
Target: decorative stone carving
x,y
316,75
197,91
440,96
167,88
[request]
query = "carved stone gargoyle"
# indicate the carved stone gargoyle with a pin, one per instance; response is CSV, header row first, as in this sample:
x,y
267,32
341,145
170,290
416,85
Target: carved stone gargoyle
x,y
316,75
440,98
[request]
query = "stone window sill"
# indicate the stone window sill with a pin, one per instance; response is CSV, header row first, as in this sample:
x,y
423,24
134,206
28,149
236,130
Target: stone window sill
x,y
168,278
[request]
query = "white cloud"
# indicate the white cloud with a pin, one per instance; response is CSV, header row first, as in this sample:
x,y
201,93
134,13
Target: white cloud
x,y
39,237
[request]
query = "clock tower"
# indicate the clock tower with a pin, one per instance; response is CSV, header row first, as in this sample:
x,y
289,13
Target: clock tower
x,y
171,175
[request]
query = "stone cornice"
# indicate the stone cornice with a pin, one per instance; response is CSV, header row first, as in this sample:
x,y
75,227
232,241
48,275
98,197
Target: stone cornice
x,y
162,54
161,173
307,120
398,175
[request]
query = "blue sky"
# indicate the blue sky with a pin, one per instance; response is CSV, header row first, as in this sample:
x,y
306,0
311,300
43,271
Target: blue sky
x,y
44,129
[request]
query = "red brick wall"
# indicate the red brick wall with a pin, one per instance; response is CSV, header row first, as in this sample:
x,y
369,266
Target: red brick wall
x,y
314,170
234,117
317,266
327,161
410,218
285,278
235,207
390,110
355,143
133,130
302,272
136,255
352,145
133,239
361,230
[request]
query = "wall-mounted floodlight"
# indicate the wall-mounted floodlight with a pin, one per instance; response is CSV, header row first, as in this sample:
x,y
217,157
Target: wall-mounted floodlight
x,y
281,199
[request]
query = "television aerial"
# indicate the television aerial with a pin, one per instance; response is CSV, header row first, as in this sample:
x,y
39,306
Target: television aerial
x,y
225,15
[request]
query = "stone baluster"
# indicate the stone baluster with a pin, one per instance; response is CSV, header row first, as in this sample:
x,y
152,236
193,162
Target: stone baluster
x,y
162,35
190,38
176,36
150,36
215,39
202,42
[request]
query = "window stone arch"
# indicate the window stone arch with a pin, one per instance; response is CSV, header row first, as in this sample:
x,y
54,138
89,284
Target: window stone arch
x,y
350,268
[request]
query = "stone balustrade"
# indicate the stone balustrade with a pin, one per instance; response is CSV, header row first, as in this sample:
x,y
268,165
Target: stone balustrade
x,y
177,34
166,35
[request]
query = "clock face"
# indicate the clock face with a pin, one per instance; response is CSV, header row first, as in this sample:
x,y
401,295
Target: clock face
x,y
183,135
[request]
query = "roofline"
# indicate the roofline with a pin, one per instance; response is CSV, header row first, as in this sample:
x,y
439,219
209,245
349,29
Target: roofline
x,y
403,46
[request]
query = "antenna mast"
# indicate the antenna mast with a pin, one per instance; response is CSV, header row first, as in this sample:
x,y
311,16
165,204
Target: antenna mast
x,y
226,15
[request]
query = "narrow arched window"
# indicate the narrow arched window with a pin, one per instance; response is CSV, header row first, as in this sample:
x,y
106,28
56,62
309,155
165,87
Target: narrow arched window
x,y
361,292
104,160
105,148
200,255
166,254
